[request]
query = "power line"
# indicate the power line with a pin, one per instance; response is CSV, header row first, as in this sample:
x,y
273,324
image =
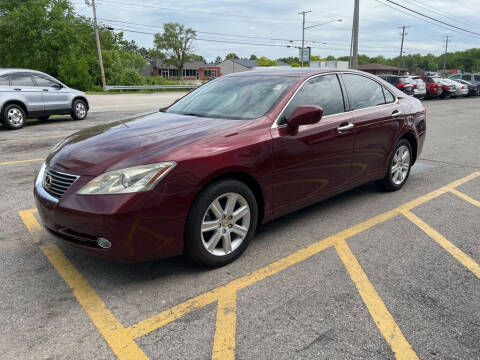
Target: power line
x,y
201,11
432,18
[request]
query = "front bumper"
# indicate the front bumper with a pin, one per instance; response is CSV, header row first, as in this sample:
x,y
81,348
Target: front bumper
x,y
140,227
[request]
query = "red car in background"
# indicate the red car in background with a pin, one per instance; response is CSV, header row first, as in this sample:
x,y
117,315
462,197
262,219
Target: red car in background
x,y
199,176
434,87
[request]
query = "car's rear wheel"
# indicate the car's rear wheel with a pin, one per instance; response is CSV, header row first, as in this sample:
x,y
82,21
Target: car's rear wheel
x,y
221,223
14,116
79,109
398,168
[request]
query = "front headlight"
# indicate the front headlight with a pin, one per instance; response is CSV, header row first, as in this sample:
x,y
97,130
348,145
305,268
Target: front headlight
x,y
130,180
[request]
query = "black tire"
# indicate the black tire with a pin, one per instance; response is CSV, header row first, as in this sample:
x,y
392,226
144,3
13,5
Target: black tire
x,y
194,247
388,183
77,113
14,117
43,118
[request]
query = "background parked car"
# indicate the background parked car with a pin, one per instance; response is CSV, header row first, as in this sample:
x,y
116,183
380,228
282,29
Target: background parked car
x,y
473,90
33,94
400,82
472,78
419,88
460,89
434,88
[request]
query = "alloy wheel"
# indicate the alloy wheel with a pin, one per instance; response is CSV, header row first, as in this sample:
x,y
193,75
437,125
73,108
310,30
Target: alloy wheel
x,y
400,165
80,109
225,224
15,117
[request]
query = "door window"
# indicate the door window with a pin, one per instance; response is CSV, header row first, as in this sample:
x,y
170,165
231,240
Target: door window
x,y
363,92
4,80
389,98
20,79
324,91
43,82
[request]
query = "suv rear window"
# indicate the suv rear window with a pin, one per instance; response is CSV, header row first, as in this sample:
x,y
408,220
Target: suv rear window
x,y
476,77
4,80
466,77
20,79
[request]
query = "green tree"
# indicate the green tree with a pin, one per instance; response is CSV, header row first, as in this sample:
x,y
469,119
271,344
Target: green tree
x,y
231,56
218,59
253,57
264,61
177,41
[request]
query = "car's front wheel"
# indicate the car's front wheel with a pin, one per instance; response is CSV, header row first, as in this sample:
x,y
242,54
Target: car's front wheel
x,y
79,110
14,116
398,168
221,223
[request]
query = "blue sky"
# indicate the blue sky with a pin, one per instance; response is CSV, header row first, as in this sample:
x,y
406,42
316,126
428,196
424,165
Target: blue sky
x,y
270,25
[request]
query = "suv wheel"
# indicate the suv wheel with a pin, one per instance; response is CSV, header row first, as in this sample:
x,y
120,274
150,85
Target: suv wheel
x,y
79,110
398,168
221,223
14,116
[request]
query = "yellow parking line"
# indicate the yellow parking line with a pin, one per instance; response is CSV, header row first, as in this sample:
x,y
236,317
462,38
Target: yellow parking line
x,y
109,327
379,312
31,223
458,254
224,338
19,161
122,341
465,197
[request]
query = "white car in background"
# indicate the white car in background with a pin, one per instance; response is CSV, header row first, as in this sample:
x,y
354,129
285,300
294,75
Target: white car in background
x,y
460,89
419,89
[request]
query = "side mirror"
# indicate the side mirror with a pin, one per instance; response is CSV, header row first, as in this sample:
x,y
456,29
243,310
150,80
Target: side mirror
x,y
304,115
57,86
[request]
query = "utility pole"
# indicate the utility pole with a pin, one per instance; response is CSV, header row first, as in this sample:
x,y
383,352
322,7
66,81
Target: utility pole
x,y
303,32
354,44
446,52
99,48
401,46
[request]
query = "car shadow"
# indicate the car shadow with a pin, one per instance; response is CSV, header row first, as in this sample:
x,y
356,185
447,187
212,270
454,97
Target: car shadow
x,y
182,266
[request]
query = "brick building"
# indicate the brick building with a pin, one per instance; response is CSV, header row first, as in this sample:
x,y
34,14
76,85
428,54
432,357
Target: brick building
x,y
194,70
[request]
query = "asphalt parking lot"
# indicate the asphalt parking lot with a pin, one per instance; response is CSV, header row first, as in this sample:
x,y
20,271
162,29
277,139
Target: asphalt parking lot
x,y
363,275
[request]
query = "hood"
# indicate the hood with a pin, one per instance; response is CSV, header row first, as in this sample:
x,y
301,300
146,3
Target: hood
x,y
134,141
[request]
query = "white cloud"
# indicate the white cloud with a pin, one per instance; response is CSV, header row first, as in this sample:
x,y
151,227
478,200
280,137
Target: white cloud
x,y
379,33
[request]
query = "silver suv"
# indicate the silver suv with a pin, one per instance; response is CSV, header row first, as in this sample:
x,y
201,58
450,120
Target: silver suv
x,y
33,94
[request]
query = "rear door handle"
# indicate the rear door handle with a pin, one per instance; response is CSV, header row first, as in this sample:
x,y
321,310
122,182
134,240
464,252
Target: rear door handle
x,y
396,113
345,127
17,89
45,89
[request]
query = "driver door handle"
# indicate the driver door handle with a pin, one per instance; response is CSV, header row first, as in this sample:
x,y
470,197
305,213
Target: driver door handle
x,y
396,113
45,89
17,89
345,127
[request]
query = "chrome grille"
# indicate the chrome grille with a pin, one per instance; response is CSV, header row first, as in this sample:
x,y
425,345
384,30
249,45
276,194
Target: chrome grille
x,y
57,183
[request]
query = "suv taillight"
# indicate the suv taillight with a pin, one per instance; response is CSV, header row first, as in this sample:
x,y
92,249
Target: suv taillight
x,y
401,85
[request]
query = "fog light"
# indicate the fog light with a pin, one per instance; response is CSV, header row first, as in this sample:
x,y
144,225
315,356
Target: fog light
x,y
104,243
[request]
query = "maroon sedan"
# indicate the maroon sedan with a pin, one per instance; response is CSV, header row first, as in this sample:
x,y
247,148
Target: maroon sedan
x,y
199,176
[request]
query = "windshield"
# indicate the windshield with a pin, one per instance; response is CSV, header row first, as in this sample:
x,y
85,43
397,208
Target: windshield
x,y
234,97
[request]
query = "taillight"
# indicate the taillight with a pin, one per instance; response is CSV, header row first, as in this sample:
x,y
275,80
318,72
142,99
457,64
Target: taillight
x,y
414,86
401,85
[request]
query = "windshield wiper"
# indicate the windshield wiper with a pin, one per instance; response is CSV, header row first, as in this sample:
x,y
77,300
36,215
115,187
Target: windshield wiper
x,y
193,114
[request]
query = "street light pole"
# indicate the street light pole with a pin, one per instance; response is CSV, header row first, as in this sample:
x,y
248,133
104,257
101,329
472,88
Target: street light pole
x,y
99,48
356,14
303,32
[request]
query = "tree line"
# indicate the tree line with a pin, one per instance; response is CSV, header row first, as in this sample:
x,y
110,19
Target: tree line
x,y
48,35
